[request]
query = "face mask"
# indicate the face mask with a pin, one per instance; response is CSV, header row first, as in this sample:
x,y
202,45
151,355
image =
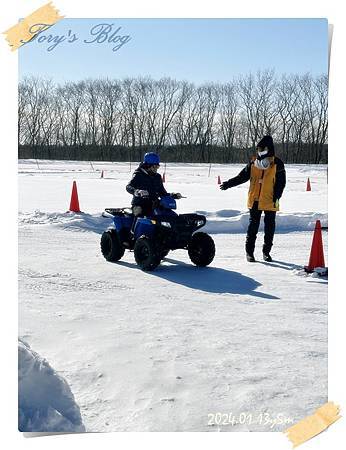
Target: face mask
x,y
262,153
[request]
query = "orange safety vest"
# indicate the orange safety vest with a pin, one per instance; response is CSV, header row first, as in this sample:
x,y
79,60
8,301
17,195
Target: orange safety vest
x,y
262,187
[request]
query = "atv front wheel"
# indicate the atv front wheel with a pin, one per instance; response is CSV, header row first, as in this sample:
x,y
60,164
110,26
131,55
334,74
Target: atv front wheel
x,y
111,247
146,255
201,249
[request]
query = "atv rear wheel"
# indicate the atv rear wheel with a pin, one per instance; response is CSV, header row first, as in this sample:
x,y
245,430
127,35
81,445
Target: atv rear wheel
x,y
146,255
164,253
111,247
201,249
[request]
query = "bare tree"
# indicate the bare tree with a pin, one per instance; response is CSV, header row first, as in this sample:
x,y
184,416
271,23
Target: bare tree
x,y
287,96
256,93
71,111
228,116
107,118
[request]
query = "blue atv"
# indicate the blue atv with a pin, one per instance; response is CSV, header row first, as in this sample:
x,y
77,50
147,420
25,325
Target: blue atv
x,y
151,238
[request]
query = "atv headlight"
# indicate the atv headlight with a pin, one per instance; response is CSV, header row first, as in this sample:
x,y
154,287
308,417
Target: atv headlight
x,y
166,224
200,222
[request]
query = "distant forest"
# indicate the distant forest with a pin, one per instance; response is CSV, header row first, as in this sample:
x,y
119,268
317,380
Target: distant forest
x,y
119,120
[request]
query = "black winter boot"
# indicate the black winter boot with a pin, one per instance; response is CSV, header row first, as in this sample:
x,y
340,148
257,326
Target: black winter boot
x,y
250,257
267,257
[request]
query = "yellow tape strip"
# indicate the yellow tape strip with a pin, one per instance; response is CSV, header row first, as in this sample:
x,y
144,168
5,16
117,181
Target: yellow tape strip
x,y
27,28
313,425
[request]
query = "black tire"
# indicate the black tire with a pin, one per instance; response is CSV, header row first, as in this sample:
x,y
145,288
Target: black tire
x,y
146,255
201,249
111,247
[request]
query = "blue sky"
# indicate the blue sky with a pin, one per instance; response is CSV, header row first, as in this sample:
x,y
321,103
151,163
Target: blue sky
x,y
196,50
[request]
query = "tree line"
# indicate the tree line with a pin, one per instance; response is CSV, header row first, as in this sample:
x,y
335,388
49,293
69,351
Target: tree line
x,y
112,119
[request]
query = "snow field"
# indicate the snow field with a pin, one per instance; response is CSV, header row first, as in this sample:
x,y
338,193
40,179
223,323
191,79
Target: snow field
x,y
168,350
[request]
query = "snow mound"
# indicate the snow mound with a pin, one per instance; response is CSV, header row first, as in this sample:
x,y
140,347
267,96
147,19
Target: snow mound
x,y
70,220
228,221
46,403
218,222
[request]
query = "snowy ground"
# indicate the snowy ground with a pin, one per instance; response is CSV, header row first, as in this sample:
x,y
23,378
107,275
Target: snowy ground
x,y
168,350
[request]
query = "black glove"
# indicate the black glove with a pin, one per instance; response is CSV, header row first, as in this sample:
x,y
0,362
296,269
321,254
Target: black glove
x,y
141,193
176,195
225,185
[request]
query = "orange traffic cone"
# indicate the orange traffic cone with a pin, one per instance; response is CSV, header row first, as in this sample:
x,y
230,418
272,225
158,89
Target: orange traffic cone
x,y
308,185
164,177
74,204
218,180
316,254
101,174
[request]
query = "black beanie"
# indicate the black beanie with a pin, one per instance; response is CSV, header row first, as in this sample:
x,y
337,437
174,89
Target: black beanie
x,y
267,141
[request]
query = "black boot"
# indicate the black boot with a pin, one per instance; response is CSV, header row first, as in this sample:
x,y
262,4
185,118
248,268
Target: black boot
x,y
267,257
250,257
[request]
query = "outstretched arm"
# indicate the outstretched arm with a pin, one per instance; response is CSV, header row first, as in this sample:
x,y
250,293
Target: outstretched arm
x,y
242,177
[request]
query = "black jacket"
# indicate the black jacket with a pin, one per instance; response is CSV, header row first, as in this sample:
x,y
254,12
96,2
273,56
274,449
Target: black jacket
x,y
280,179
143,180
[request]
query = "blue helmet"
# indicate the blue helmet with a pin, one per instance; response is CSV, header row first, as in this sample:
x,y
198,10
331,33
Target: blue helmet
x,y
151,158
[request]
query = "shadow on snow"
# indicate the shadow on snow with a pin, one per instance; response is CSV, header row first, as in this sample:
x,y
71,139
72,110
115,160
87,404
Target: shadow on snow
x,y
207,279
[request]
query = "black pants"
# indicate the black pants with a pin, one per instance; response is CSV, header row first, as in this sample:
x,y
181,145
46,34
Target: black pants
x,y
141,211
144,207
269,229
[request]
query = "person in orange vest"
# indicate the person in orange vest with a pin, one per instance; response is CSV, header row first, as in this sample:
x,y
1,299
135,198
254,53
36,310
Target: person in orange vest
x,y
267,176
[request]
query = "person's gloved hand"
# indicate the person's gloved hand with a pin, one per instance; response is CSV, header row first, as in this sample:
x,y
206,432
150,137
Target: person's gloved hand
x,y
176,195
224,186
141,193
276,203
